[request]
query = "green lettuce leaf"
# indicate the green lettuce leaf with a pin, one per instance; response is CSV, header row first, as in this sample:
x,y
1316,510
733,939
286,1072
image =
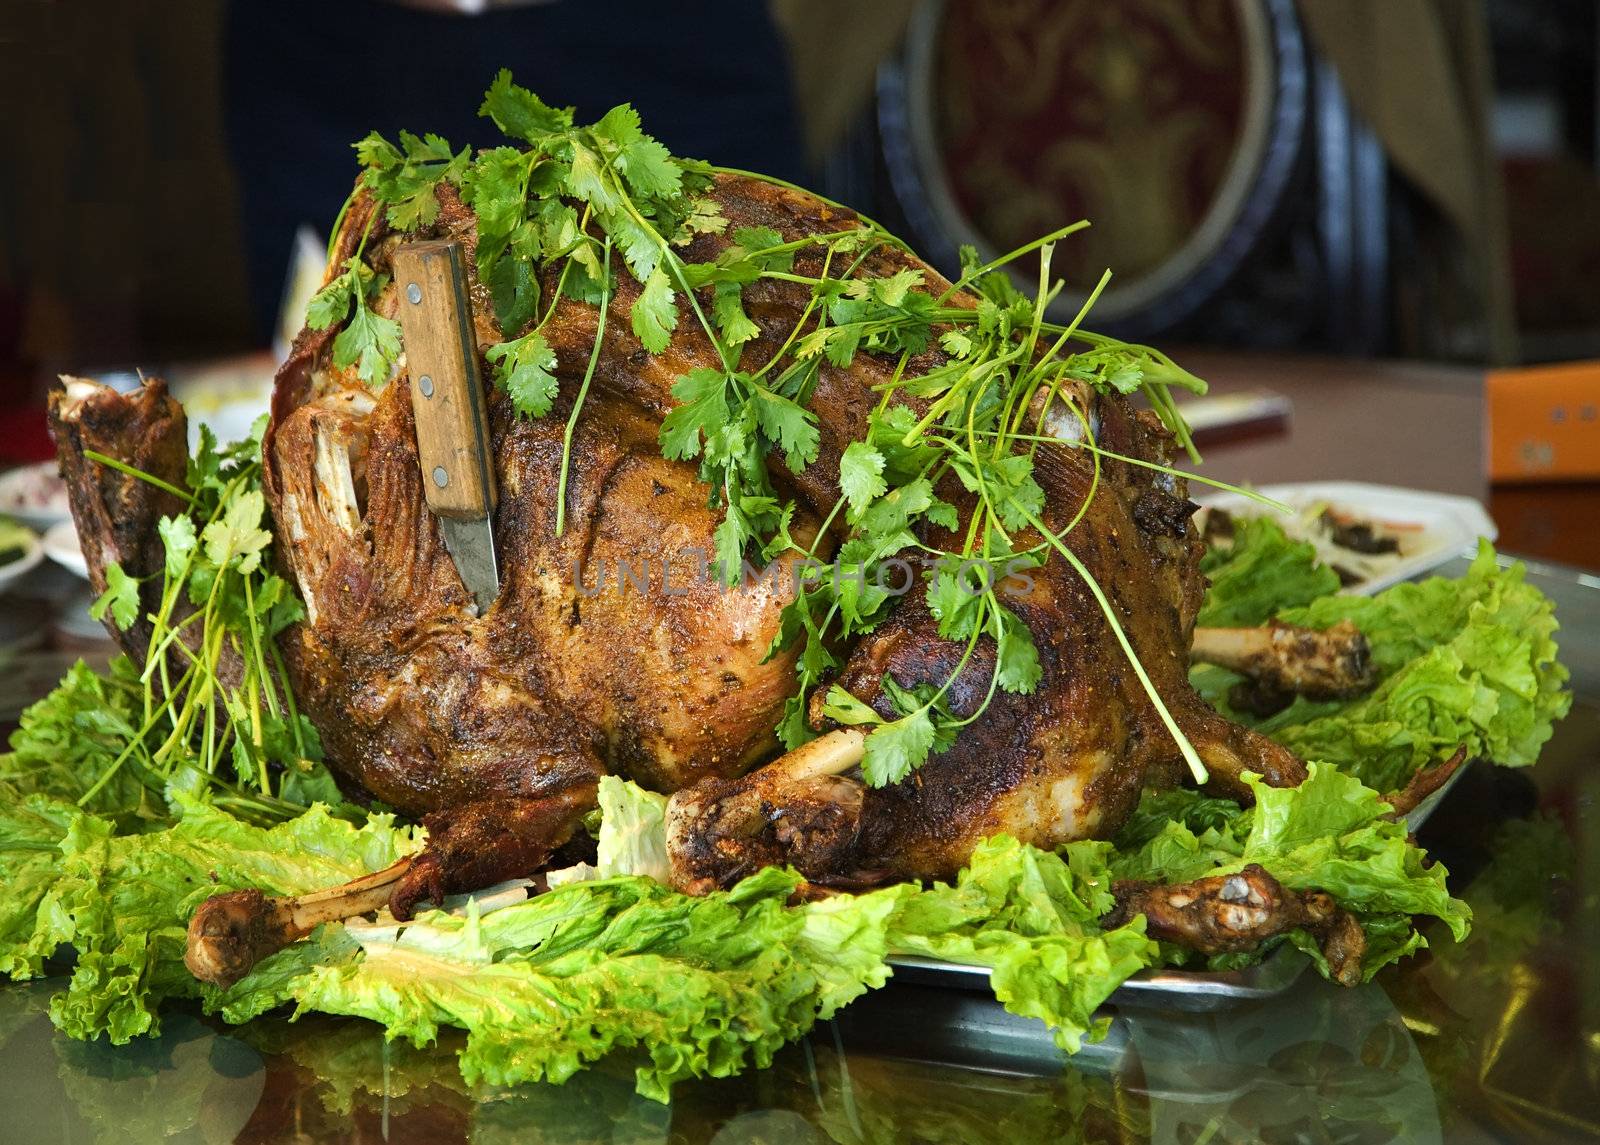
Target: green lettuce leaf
x,y
70,738
1328,834
1262,572
32,829
1469,661
123,902
633,831
699,987
1032,917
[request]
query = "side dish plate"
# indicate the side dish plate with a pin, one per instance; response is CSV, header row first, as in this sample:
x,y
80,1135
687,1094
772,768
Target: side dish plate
x,y
1437,526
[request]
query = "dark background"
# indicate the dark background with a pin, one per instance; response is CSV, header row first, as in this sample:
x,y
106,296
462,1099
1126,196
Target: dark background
x,y
157,156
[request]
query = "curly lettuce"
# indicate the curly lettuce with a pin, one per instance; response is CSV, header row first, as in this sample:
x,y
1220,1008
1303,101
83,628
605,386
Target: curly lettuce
x,y
1469,661
614,962
1261,572
1330,834
122,903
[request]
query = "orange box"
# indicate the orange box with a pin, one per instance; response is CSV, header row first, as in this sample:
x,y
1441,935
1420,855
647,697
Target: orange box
x,y
1544,422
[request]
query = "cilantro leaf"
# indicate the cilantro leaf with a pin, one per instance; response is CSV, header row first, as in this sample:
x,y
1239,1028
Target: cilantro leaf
x,y
895,749
524,369
405,178
370,342
955,343
330,304
729,540
704,217
179,540
733,323
587,179
704,407
861,476
953,603
791,426
236,539
645,164
655,313
521,114
121,597
1017,658
844,708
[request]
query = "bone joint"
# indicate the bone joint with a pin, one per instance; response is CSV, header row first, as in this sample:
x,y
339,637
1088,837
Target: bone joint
x,y
230,933
1327,665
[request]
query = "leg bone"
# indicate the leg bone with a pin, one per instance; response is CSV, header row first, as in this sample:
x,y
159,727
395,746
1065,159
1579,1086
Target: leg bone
x,y
800,809
1330,665
1226,914
231,932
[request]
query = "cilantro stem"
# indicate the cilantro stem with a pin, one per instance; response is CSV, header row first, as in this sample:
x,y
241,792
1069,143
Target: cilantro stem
x,y
1243,491
1185,748
995,263
151,478
583,390
805,313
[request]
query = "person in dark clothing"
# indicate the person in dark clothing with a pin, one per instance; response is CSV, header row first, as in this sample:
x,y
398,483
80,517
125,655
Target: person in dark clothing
x,y
305,79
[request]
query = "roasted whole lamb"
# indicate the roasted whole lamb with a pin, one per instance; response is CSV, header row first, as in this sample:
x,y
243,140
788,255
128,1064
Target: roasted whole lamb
x,y
495,728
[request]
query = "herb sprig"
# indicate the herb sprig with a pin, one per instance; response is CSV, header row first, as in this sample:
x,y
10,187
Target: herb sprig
x,y
218,712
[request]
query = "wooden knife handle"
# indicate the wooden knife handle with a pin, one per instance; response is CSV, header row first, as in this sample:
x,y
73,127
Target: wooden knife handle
x,y
447,398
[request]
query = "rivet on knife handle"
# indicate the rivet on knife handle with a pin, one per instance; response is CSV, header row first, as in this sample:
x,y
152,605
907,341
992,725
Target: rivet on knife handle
x,y
446,392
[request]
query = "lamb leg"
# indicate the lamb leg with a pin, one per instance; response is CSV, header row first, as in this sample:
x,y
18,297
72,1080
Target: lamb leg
x,y
231,932
800,810
469,848
1230,914
486,842
1330,665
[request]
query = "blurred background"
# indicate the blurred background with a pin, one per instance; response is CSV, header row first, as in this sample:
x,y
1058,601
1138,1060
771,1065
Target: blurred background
x,y
1340,181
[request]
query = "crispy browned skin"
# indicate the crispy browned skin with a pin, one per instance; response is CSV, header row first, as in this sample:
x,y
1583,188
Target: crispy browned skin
x,y
1229,914
431,707
485,842
1066,762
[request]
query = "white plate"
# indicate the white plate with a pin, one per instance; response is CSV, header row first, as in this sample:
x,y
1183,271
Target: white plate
x,y
31,556
1448,526
17,499
61,546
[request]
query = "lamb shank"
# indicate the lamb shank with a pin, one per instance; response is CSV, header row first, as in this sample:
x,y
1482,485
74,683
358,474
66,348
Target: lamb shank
x,y
496,727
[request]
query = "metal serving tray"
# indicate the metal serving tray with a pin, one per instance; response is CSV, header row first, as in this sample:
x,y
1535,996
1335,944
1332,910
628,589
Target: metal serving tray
x,y
1194,991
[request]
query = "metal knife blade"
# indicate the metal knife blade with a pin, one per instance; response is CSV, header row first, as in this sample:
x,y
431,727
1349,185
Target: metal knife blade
x,y
447,402
471,544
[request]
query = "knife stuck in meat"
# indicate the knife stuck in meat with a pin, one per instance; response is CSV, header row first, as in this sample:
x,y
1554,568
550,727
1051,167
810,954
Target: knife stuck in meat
x,y
447,401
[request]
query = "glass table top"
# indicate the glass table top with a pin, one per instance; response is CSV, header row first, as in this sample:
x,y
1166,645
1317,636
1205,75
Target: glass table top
x,y
1493,1040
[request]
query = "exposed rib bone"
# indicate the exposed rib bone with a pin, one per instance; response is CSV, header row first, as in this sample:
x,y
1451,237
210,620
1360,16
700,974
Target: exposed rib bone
x,y
1329,665
232,932
336,487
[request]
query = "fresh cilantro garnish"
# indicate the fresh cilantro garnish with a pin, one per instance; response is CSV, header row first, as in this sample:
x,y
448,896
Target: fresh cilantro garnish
x,y
369,341
219,713
404,177
524,370
121,598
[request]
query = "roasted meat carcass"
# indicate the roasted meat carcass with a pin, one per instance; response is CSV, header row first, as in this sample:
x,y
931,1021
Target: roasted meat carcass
x,y
664,678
